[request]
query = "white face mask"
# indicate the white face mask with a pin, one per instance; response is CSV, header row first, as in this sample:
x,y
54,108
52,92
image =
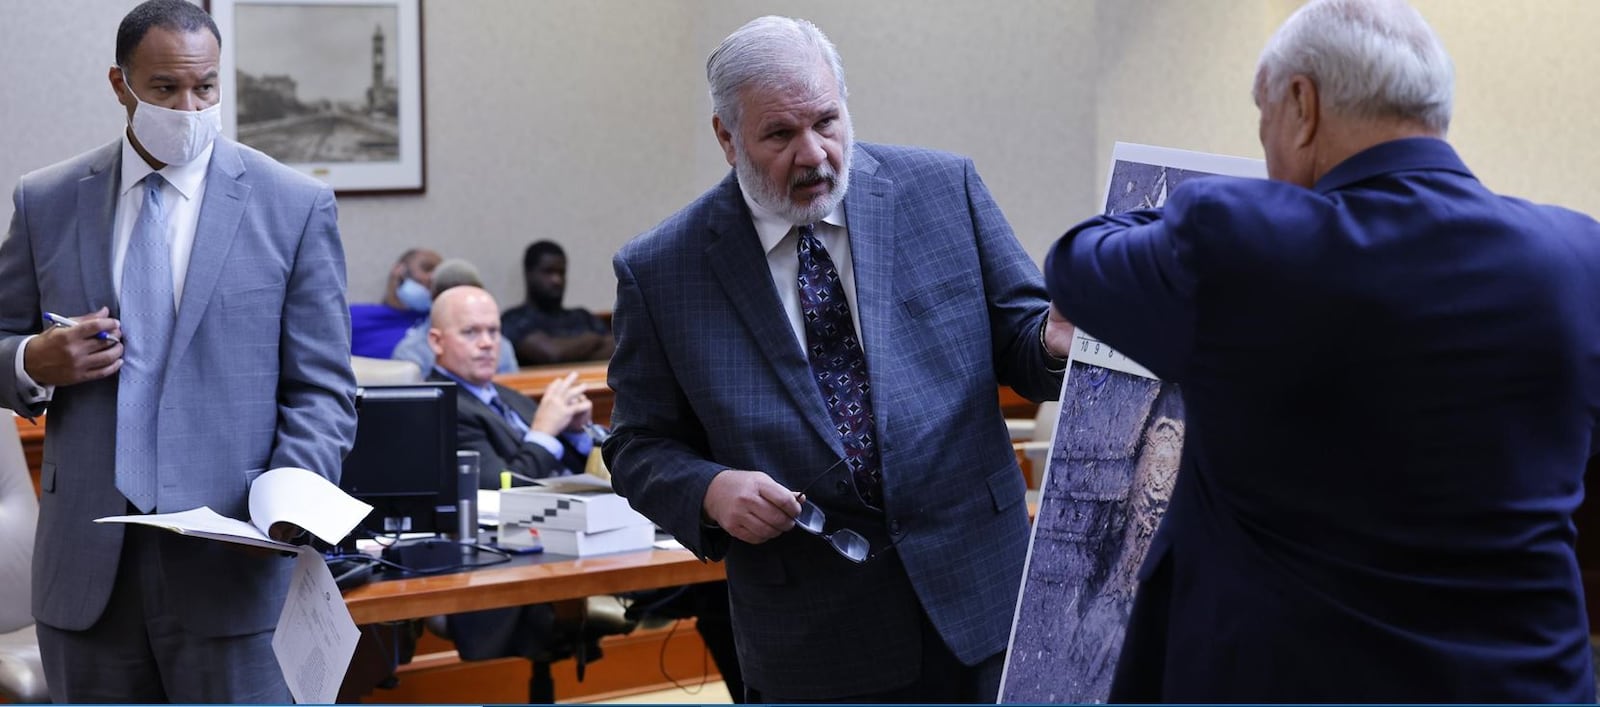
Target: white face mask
x,y
174,137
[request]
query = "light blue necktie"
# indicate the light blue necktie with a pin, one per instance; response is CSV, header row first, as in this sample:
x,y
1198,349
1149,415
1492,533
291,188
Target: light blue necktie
x,y
147,318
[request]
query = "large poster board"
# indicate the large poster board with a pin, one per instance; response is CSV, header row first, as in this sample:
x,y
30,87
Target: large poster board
x,y
1113,459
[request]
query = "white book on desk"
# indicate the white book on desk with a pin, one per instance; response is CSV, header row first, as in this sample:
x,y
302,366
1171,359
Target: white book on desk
x,y
589,510
285,494
581,544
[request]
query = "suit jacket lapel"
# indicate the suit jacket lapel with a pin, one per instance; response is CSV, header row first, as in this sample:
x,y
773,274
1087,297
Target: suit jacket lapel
x,y
97,206
869,214
220,213
740,266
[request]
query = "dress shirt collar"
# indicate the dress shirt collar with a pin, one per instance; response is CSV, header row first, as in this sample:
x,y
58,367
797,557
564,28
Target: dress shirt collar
x,y
483,393
186,178
772,228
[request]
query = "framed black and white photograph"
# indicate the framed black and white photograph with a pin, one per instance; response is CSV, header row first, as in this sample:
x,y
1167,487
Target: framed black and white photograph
x,y
332,88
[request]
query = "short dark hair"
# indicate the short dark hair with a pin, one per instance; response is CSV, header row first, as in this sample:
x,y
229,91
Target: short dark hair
x,y
180,15
537,251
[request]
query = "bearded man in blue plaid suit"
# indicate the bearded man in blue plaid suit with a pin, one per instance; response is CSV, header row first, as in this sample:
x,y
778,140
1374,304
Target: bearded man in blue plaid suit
x,y
887,277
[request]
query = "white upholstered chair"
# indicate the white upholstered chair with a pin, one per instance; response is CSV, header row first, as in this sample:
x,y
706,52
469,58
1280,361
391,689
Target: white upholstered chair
x,y
1031,438
21,675
380,371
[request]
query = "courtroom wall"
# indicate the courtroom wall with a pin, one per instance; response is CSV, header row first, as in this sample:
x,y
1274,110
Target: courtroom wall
x,y
587,121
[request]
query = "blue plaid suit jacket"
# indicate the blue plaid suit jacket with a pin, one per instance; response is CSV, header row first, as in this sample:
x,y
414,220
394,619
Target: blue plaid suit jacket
x,y
709,375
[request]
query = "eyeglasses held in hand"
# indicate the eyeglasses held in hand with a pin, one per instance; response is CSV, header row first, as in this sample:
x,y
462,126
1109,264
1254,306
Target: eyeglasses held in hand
x,y
848,543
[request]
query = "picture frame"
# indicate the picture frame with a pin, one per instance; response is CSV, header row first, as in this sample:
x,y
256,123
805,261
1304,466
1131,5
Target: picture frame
x,y
332,88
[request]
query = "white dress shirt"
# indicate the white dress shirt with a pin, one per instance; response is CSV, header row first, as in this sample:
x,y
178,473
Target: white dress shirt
x,y
181,194
781,239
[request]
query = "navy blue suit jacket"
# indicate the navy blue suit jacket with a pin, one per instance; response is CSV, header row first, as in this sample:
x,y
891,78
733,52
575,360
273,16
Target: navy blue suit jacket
x,y
1391,382
709,375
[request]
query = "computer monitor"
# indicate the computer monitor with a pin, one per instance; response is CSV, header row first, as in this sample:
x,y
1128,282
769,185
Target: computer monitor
x,y
404,458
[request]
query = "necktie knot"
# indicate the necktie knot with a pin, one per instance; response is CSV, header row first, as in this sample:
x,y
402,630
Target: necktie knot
x,y
152,187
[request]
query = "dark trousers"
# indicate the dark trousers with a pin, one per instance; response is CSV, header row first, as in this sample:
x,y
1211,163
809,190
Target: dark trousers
x,y
138,651
944,679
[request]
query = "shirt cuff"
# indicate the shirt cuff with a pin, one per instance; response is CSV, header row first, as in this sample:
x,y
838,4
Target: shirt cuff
x,y
550,444
581,442
31,391
1051,363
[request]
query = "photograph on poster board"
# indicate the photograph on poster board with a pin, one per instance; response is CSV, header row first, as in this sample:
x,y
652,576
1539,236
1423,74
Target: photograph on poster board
x,y
1113,460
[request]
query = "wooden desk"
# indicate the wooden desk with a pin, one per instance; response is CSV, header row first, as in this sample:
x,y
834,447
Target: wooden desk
x,y
533,380
518,584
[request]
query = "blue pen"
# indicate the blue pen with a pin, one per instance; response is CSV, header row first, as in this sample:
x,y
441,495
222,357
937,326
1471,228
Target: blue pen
x,y
63,322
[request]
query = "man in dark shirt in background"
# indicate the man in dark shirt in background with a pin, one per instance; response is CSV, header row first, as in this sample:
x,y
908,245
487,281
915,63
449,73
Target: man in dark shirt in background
x,y
540,329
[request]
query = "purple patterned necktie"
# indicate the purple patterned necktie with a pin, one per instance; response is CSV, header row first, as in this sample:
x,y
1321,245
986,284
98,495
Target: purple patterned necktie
x,y
839,364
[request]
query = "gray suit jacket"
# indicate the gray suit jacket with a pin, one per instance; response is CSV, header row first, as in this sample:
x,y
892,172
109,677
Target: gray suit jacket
x,y
258,377
709,375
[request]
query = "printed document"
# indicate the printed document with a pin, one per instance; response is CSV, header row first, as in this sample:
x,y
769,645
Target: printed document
x,y
315,637
286,494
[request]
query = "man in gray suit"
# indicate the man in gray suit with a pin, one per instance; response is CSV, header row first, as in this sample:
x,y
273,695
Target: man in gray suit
x,y
825,331
213,344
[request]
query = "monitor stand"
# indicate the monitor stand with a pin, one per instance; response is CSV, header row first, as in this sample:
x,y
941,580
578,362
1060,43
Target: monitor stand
x,y
429,555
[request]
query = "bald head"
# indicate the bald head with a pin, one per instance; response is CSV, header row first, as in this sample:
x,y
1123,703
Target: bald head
x,y
465,333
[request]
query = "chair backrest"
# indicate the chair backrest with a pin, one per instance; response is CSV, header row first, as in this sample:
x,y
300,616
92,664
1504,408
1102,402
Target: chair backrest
x,y
380,371
1044,421
19,514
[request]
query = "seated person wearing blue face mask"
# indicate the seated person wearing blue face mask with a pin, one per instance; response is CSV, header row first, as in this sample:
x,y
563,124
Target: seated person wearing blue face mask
x,y
414,345
375,328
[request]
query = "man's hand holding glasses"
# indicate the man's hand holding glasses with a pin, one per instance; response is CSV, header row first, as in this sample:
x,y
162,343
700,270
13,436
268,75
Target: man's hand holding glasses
x,y
750,505
754,508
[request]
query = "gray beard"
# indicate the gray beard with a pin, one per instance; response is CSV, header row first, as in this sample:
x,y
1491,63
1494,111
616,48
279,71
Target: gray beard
x,y
776,200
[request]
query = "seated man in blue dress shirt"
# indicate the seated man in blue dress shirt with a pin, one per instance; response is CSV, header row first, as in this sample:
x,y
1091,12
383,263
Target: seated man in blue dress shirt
x,y
508,430
414,346
537,440
513,433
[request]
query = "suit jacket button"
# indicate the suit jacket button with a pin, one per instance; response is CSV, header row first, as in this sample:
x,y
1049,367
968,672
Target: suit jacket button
x,y
894,527
843,486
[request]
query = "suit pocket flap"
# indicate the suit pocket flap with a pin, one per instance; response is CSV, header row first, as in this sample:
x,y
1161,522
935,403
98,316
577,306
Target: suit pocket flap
x,y
1006,487
932,296
252,296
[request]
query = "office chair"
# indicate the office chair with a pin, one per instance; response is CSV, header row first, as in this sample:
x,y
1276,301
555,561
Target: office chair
x,y
21,674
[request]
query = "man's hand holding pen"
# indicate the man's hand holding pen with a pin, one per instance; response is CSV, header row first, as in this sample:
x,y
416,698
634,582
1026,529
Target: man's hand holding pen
x,y
71,351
